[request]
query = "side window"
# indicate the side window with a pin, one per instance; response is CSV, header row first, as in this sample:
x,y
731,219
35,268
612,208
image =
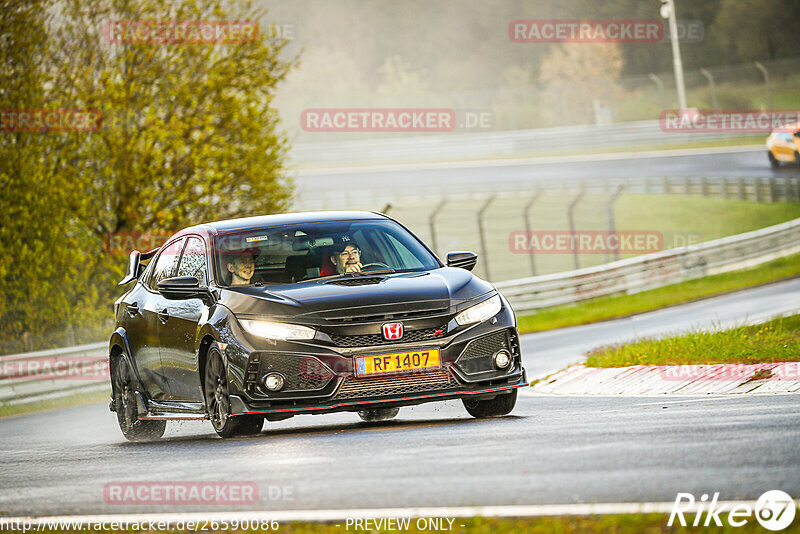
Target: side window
x,y
167,263
193,261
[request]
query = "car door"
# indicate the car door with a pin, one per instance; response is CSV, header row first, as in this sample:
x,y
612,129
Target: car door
x,y
784,147
142,307
177,334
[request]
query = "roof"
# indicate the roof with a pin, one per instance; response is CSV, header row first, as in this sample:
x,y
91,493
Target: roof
x,y
281,219
788,127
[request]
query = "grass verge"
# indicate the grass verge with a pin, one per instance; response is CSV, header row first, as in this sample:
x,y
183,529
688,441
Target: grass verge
x,y
615,306
78,399
774,341
615,524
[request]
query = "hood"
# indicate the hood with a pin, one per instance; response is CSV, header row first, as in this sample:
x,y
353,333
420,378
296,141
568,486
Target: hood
x,y
362,296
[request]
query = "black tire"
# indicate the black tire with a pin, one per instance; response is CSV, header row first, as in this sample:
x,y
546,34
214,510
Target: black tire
x,y
378,414
797,158
124,394
774,163
218,402
500,405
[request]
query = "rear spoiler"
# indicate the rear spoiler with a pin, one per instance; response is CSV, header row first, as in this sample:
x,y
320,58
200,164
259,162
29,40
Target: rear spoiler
x,y
135,265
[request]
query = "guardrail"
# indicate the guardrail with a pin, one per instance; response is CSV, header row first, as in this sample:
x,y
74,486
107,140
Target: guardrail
x,y
655,270
38,375
35,376
487,145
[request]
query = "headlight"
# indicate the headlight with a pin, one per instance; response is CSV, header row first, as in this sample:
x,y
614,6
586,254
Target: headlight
x,y
480,312
271,330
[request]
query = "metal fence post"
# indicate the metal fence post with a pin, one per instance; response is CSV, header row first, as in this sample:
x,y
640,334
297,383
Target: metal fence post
x,y
687,186
712,87
724,187
612,225
526,216
666,185
482,236
765,72
742,195
757,182
571,217
436,210
773,194
704,186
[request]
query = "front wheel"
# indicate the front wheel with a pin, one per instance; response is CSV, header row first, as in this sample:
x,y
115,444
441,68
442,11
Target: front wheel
x,y
218,402
124,394
797,158
500,405
773,161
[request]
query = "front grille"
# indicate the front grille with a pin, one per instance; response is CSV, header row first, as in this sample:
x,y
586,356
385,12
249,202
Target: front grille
x,y
356,281
393,316
485,346
354,388
409,336
302,373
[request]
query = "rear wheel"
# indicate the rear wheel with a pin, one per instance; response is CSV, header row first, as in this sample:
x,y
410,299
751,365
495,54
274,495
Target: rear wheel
x,y
378,414
132,427
218,402
773,162
500,405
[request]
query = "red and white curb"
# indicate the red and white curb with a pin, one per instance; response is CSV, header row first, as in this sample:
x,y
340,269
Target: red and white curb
x,y
713,379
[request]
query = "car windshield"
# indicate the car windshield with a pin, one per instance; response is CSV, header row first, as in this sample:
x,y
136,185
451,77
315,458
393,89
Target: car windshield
x,y
296,253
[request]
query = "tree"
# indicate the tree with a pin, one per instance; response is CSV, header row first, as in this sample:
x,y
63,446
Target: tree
x,y
189,134
573,75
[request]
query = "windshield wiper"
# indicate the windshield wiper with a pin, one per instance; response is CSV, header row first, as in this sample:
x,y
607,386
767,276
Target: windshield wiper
x,y
353,274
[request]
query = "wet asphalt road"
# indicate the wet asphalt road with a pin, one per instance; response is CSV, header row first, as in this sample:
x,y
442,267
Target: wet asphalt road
x,y
549,450
331,185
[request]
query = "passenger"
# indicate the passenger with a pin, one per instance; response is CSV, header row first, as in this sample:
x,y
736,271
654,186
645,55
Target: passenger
x,y
241,265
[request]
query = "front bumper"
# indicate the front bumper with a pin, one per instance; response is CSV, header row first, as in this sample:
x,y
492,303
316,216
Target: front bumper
x,y
452,390
322,379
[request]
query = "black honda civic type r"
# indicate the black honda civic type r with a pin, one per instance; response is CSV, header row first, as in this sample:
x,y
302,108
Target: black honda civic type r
x,y
269,317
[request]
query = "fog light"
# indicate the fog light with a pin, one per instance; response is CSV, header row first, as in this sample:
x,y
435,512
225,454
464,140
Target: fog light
x,y
502,359
273,382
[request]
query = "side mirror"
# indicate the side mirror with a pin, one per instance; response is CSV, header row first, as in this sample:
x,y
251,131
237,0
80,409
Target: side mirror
x,y
182,287
134,268
463,259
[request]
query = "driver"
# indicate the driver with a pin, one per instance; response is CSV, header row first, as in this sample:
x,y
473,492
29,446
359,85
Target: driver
x,y
346,258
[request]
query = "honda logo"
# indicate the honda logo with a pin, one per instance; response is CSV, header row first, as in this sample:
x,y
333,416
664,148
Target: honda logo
x,y
392,331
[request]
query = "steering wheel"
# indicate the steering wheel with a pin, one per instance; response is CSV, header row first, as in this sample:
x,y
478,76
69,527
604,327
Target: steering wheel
x,y
373,265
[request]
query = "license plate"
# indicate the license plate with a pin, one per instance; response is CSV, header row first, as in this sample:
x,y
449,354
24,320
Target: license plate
x,y
397,362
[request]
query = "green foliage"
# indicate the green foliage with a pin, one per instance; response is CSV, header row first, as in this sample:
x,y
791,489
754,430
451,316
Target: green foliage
x,y
774,341
189,134
611,307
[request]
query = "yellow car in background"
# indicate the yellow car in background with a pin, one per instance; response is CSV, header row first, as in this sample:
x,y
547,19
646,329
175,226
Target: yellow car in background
x,y
783,145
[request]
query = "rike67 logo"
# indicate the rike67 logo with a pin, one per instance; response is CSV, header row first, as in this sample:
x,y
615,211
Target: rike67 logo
x,y
774,510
